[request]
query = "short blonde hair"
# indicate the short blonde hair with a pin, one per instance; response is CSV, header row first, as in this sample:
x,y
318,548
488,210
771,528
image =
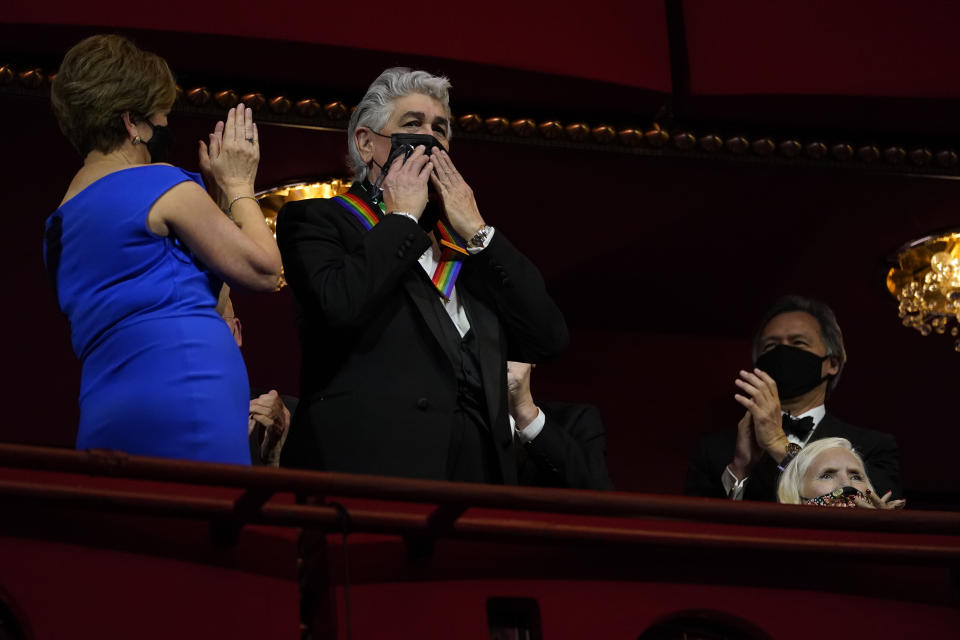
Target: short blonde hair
x,y
791,480
102,77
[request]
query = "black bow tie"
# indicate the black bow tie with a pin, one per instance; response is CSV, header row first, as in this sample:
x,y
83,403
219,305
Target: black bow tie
x,y
799,428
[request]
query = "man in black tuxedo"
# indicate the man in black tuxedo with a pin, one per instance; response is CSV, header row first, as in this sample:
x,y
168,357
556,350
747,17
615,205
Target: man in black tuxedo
x,y
799,356
403,374
561,444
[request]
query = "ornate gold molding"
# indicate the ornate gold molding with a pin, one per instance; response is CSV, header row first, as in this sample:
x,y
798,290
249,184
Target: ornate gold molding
x,y
650,139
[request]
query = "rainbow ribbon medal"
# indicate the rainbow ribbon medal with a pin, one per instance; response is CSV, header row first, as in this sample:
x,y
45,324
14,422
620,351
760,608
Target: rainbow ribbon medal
x,y
452,247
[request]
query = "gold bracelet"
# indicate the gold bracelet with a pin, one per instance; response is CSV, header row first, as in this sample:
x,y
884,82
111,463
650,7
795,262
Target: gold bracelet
x,y
235,198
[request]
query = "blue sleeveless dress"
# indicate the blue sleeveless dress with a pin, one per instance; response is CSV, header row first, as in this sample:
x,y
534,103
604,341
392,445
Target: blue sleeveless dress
x,y
161,373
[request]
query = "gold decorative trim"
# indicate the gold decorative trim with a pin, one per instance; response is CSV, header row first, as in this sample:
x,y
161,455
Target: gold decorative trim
x,y
273,198
651,140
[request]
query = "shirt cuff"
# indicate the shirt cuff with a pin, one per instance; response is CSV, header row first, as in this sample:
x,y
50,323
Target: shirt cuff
x,y
533,429
404,213
476,250
731,485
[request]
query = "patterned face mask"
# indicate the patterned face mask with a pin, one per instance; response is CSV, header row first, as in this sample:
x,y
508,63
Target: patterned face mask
x,y
840,497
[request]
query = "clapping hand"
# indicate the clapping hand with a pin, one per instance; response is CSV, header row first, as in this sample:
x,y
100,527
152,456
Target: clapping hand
x,y
761,399
206,167
747,452
233,154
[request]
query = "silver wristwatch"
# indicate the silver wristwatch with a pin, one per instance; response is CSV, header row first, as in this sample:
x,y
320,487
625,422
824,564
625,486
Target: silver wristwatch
x,y
479,238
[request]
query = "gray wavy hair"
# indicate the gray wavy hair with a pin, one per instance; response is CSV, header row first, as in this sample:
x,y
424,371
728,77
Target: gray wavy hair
x,y
375,108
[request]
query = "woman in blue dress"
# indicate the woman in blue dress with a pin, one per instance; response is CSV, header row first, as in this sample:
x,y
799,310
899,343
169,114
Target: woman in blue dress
x,y
137,252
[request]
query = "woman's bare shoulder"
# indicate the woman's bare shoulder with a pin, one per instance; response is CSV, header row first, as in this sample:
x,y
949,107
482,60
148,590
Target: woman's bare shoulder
x,y
89,174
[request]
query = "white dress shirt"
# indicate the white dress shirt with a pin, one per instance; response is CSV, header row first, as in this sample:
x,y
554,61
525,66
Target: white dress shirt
x,y
429,261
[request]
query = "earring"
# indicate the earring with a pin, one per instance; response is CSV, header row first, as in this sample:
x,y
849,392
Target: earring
x,y
137,140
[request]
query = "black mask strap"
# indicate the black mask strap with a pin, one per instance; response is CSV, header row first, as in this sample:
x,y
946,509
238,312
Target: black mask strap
x,y
384,168
376,188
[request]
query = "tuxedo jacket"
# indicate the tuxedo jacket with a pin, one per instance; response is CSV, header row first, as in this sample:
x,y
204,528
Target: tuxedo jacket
x,y
378,384
569,452
878,450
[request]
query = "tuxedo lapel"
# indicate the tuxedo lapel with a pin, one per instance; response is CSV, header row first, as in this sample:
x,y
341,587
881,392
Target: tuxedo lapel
x,y
486,330
424,297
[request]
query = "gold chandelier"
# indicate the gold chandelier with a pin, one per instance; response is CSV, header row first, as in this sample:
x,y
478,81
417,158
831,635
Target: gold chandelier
x,y
926,283
272,199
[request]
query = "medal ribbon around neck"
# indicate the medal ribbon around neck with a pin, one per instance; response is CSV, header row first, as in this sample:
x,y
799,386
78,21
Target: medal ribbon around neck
x,y
452,248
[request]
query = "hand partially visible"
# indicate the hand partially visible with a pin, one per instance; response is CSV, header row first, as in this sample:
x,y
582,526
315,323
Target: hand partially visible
x,y
405,187
747,452
761,399
269,412
519,398
875,502
458,200
206,167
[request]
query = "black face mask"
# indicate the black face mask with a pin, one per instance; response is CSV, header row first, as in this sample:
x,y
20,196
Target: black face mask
x,y
404,144
160,142
795,371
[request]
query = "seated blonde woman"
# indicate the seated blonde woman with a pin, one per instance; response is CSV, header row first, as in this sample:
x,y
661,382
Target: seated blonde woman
x,y
829,473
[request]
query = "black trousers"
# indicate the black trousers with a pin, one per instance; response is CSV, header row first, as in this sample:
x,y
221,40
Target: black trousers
x,y
472,457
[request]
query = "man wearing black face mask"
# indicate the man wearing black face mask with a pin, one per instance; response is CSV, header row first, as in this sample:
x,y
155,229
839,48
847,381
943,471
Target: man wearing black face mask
x,y
799,356
406,320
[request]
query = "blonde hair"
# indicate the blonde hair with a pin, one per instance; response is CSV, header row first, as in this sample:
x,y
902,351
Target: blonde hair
x,y
791,480
102,77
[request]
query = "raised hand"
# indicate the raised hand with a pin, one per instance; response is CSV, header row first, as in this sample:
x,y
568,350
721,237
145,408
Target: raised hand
x,y
206,167
747,452
234,164
875,502
457,196
405,187
761,399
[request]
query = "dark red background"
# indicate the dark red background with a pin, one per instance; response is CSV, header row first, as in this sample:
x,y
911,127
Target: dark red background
x,y
661,265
